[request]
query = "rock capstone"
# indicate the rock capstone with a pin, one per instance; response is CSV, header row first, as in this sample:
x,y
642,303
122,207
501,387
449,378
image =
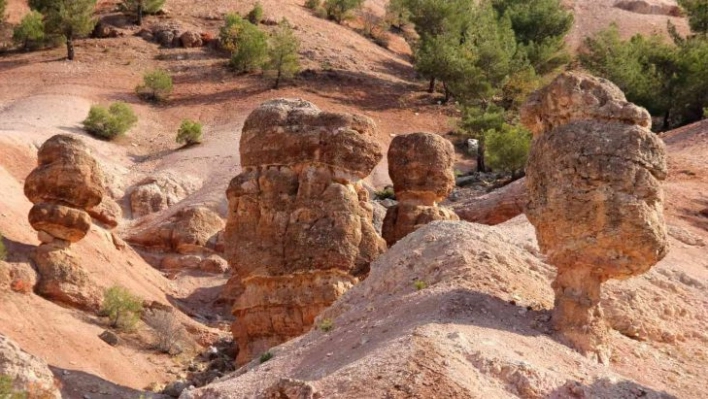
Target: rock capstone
x,y
421,168
299,230
595,198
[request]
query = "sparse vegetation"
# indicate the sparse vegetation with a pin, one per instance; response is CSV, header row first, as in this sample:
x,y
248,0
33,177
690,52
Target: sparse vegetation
x,y
157,85
110,123
386,193
339,10
30,32
7,391
420,285
255,16
313,4
326,325
167,330
3,7
142,7
697,11
283,57
3,250
266,356
70,19
248,44
122,308
189,133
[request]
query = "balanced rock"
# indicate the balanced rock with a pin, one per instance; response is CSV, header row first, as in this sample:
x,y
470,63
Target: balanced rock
x,y
299,230
595,198
421,168
65,184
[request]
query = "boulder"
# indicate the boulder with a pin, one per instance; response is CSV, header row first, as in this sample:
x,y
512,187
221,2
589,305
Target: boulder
x,y
300,220
60,221
27,372
595,198
109,337
108,212
421,168
495,207
155,194
191,39
652,7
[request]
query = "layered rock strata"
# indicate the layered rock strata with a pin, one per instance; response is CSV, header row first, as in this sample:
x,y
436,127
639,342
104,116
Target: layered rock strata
x,y
421,168
299,230
595,198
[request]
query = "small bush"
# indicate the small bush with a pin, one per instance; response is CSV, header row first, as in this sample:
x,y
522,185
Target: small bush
x,y
157,85
30,32
189,133
3,251
326,325
339,10
122,308
420,285
266,356
313,4
167,330
255,16
386,193
248,44
508,148
110,123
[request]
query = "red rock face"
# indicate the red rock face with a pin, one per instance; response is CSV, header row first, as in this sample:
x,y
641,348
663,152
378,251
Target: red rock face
x,y
299,219
421,168
595,198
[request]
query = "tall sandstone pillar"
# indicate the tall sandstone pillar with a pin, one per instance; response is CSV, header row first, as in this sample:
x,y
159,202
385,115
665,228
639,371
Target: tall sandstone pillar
x,y
299,232
595,198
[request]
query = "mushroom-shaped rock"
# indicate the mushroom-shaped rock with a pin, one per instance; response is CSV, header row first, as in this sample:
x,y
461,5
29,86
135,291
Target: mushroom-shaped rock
x,y
65,184
421,168
595,197
299,230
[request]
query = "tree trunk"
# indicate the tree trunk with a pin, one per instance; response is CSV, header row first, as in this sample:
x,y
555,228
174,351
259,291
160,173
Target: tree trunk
x,y
431,88
140,13
70,48
481,165
447,93
277,79
667,116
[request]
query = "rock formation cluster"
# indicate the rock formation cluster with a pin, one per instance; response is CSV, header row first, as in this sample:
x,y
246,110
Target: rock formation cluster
x,y
65,185
595,198
421,168
299,231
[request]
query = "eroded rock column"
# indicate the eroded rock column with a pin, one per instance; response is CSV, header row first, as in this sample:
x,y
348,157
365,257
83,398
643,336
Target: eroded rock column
x,y
64,186
421,168
299,232
595,198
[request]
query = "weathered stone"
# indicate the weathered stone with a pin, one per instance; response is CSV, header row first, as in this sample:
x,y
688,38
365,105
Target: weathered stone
x,y
298,215
652,7
595,197
191,39
109,337
214,264
496,207
421,168
108,212
28,373
288,388
155,194
60,221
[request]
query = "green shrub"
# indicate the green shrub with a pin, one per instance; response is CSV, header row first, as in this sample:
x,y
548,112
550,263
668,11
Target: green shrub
x,y
338,10
122,308
283,59
248,44
3,251
313,4
157,85
266,356
110,123
190,132
255,16
7,391
386,193
326,325
508,148
420,285
30,32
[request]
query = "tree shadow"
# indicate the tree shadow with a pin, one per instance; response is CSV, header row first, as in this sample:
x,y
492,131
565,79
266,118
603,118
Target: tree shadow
x,y
79,384
18,252
604,388
697,218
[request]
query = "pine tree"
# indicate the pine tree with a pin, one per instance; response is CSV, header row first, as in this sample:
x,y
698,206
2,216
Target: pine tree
x,y
142,7
283,53
697,11
70,19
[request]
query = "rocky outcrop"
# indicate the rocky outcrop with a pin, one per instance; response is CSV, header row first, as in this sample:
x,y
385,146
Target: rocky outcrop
x,y
157,193
495,207
652,7
299,230
27,373
65,184
421,168
595,198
